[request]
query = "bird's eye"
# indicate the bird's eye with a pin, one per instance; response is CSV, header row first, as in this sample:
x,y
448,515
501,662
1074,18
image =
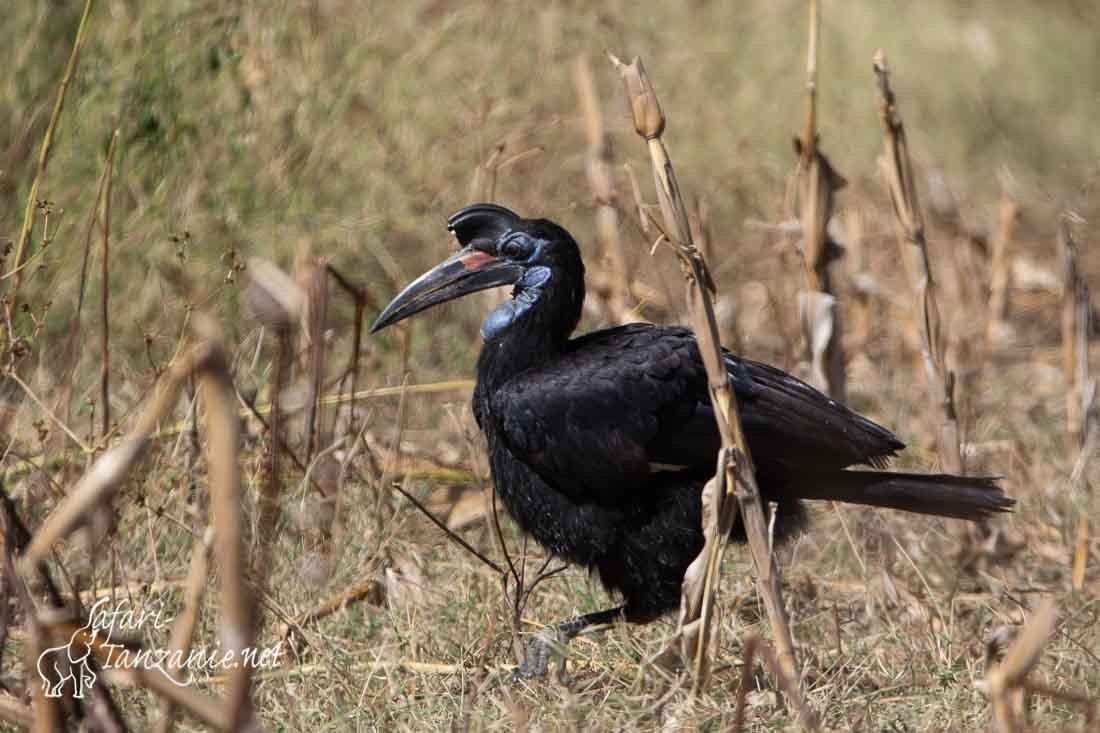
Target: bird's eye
x,y
514,248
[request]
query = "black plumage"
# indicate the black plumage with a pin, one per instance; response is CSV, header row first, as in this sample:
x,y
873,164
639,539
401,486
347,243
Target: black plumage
x,y
600,445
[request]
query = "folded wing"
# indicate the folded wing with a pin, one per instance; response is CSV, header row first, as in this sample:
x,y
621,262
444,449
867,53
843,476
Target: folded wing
x,y
596,422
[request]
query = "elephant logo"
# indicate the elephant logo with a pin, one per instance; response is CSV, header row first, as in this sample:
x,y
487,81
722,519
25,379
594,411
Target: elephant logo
x,y
60,664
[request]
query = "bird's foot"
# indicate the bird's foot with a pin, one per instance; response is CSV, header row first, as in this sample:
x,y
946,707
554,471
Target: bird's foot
x,y
546,644
552,640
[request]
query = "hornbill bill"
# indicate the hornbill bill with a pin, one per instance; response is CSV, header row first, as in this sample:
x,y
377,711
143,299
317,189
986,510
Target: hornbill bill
x,y
600,445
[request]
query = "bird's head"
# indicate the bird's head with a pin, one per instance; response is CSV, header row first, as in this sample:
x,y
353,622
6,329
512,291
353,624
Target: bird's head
x,y
498,247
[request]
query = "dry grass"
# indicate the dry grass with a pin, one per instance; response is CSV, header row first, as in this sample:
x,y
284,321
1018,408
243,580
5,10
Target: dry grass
x,y
348,132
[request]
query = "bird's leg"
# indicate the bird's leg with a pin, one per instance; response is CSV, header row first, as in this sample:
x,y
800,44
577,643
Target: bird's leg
x,y
553,638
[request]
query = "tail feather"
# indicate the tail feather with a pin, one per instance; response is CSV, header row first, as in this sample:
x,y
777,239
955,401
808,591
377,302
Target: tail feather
x,y
941,495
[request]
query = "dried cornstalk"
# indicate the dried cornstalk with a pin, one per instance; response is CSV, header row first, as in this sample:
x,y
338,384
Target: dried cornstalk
x,y
278,302
817,184
734,478
598,169
1000,266
1005,683
362,299
184,628
237,630
897,169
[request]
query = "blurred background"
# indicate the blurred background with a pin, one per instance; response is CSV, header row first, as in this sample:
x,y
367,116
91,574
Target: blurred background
x,y
245,129
350,130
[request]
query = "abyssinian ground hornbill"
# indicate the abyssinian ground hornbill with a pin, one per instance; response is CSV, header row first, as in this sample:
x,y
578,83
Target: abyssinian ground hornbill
x,y
600,445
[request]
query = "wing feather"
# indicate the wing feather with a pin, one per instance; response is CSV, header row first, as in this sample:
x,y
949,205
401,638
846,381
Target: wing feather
x,y
596,421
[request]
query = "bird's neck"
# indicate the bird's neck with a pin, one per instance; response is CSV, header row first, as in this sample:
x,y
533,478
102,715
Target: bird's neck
x,y
531,327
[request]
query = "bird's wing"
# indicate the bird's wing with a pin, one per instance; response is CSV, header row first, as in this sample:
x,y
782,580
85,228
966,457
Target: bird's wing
x,y
625,402
791,427
585,420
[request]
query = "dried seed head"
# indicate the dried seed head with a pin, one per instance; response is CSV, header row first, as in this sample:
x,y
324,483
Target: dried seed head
x,y
649,118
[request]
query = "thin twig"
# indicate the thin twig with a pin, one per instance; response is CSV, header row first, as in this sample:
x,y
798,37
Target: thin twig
x,y
447,530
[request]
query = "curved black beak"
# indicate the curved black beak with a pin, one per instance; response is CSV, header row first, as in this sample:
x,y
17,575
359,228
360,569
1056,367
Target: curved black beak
x,y
466,271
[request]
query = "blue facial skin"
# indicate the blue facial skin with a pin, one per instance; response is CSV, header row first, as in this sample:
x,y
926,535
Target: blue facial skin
x,y
527,292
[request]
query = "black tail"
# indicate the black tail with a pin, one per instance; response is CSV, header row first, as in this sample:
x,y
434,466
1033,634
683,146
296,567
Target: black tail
x,y
941,495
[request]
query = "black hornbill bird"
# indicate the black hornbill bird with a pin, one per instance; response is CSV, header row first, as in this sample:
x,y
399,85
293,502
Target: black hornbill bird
x,y
600,445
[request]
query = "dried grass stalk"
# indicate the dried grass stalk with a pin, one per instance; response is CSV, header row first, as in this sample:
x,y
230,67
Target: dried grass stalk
x,y
72,346
734,483
23,241
599,171
817,184
105,312
897,169
258,411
